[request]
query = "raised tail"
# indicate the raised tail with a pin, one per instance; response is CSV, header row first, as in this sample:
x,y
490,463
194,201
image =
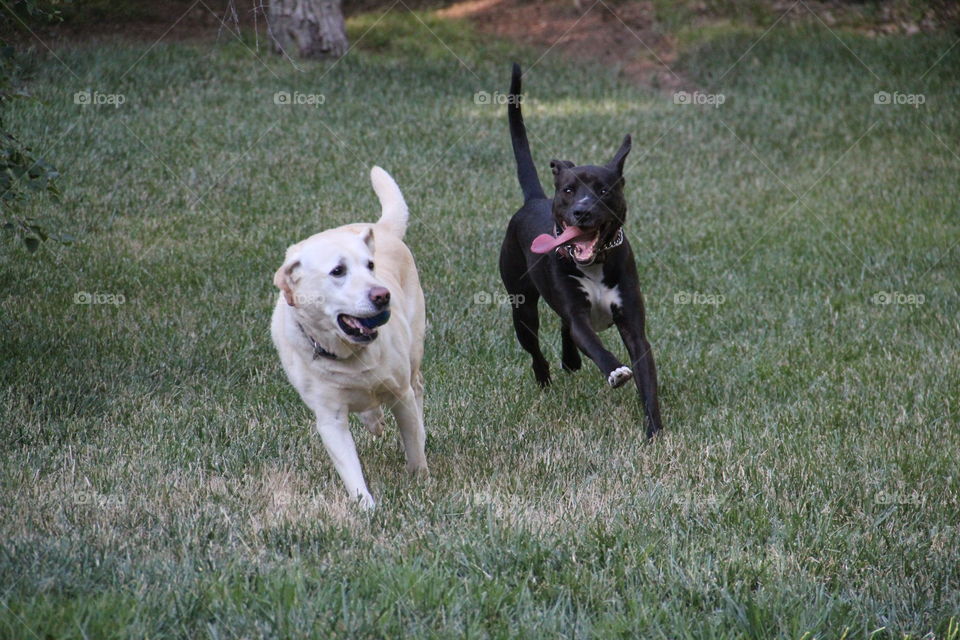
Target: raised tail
x,y
394,214
526,170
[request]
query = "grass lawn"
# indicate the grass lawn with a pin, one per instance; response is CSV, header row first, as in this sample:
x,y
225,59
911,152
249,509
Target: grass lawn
x,y
797,247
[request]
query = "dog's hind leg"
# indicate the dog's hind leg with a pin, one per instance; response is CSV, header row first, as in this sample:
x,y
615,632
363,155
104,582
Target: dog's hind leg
x,y
524,298
417,384
526,322
571,355
412,433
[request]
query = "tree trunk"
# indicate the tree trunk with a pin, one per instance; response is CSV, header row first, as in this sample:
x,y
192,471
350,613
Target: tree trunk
x,y
308,28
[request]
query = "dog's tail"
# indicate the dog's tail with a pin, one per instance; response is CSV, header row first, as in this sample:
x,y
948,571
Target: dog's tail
x,y
526,170
394,214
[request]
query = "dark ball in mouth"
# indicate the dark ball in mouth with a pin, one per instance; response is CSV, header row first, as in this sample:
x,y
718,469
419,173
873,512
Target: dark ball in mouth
x,y
362,329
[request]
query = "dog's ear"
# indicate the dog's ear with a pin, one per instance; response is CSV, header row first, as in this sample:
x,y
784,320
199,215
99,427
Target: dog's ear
x,y
367,237
618,158
559,165
285,281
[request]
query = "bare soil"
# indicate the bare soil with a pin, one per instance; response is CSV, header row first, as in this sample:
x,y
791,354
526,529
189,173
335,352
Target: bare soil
x,y
621,36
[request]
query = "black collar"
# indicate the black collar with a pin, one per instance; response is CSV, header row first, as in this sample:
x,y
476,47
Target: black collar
x,y
318,351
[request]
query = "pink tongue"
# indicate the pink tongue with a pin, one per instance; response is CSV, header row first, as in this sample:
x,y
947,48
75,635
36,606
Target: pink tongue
x,y
545,243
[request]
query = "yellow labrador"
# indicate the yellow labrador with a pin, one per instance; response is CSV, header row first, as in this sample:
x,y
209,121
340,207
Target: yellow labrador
x,y
349,325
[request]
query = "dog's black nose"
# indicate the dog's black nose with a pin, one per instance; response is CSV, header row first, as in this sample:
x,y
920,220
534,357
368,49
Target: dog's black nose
x,y
380,297
580,212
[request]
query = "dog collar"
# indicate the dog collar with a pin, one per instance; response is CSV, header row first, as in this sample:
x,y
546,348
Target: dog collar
x,y
564,251
318,351
616,242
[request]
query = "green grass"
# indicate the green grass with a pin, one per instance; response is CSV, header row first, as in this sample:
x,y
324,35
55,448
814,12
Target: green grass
x,y
160,478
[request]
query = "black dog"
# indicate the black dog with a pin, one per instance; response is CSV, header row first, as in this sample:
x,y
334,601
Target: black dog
x,y
572,251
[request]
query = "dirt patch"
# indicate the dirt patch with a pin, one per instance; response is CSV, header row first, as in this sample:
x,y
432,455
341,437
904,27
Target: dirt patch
x,y
620,36
624,35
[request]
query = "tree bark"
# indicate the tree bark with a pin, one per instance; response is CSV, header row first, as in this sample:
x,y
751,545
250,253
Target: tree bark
x,y
310,29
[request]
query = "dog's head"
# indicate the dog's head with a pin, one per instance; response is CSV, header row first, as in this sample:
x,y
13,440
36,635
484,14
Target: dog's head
x,y
330,280
590,197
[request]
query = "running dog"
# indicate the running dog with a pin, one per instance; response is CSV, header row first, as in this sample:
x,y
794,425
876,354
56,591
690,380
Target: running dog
x,y
348,326
571,251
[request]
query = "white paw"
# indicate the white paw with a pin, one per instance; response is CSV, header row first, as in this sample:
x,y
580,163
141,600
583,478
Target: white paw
x,y
365,502
619,376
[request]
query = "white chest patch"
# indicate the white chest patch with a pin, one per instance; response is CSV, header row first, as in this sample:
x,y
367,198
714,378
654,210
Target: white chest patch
x,y
600,296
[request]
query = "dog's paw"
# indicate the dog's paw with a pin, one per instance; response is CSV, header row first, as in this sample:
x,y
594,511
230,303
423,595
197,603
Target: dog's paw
x,y
619,376
571,363
374,421
418,472
541,371
365,502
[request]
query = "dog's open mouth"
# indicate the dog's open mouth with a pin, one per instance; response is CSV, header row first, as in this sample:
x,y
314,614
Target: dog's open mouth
x,y
362,329
583,248
582,242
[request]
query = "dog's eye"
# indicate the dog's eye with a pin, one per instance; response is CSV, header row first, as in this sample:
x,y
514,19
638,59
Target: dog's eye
x,y
568,190
370,265
338,271
603,191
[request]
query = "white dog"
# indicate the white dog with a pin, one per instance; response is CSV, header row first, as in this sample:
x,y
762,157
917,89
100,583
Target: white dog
x,y
349,327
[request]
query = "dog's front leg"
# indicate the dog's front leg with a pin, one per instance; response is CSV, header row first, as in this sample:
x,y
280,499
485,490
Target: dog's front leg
x,y
589,342
641,356
334,429
410,422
